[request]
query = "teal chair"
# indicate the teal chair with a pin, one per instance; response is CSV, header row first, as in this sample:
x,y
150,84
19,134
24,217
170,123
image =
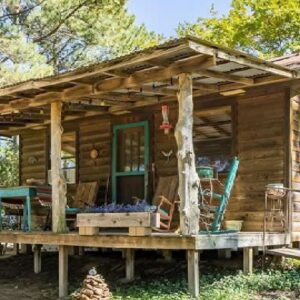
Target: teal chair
x,y
222,198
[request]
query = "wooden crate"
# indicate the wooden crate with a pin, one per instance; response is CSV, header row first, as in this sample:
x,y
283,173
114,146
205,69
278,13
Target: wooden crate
x,y
138,223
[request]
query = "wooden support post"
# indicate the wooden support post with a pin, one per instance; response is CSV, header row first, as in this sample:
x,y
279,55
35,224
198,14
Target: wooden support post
x,y
193,272
188,177
224,253
167,254
248,260
57,179
63,252
37,259
129,264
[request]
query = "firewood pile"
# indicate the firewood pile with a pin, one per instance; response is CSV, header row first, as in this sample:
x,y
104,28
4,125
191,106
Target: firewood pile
x,y
94,288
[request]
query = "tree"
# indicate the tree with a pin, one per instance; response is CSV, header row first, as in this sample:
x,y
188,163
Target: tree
x,y
266,28
9,162
42,37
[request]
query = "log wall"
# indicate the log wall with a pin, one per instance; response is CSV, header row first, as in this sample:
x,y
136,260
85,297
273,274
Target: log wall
x,y
260,146
33,155
295,158
259,139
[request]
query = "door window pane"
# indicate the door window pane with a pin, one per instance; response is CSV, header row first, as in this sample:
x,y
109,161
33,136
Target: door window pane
x,y
130,156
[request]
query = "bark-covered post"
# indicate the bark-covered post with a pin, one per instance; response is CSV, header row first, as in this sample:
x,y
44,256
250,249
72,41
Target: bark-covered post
x,y
188,177
57,179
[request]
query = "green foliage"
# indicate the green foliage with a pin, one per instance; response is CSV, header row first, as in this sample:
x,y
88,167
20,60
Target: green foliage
x,y
219,286
9,162
266,28
42,37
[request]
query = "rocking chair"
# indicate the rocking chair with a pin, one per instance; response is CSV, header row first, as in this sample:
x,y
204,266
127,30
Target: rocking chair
x,y
211,215
165,198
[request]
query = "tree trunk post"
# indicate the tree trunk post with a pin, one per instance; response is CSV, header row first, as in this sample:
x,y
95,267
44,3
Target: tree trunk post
x,y
57,179
188,177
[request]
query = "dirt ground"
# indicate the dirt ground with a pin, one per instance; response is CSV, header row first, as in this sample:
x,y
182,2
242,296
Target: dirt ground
x,y
18,281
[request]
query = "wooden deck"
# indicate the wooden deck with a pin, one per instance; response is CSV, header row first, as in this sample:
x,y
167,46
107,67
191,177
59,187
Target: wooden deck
x,y
169,241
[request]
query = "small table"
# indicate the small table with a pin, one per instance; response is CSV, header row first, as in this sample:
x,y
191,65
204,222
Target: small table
x,y
24,192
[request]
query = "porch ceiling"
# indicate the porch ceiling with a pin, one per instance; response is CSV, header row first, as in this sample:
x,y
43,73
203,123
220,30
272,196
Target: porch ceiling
x,y
140,79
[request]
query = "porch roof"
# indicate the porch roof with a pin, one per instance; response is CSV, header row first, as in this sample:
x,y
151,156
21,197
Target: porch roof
x,y
133,81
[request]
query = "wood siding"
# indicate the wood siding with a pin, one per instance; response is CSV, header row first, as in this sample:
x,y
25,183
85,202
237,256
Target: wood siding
x,y
259,138
260,146
33,148
295,158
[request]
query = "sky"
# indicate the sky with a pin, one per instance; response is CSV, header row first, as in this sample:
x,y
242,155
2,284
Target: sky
x,y
162,16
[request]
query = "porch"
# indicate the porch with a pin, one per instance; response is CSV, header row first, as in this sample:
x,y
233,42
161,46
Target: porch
x,y
215,88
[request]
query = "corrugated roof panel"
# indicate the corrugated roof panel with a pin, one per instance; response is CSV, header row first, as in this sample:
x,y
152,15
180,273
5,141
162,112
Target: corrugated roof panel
x,y
226,67
250,73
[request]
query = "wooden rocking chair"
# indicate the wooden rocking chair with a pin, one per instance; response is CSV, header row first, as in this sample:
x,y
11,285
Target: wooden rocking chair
x,y
85,196
165,198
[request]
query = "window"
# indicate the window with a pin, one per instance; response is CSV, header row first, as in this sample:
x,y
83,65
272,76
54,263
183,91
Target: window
x,y
68,157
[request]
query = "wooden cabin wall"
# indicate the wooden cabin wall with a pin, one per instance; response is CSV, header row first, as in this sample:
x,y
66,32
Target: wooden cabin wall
x,y
33,155
295,161
261,148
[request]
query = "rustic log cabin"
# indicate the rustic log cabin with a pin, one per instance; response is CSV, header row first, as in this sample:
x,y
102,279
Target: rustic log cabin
x,y
160,112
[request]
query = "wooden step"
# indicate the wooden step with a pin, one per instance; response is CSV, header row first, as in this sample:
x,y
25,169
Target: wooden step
x,y
285,252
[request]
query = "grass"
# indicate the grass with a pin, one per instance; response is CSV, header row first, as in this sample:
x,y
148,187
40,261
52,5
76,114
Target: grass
x,y
269,284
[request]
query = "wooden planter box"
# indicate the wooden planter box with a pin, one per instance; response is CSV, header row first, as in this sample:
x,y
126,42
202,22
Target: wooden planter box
x,y
138,223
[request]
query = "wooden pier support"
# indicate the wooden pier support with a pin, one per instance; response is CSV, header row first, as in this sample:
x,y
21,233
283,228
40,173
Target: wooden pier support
x,y
63,271
130,264
37,259
224,253
248,260
193,272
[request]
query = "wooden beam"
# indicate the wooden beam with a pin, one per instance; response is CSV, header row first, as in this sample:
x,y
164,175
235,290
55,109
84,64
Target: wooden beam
x,y
226,76
37,259
243,59
216,126
193,272
155,74
248,260
58,182
63,255
188,178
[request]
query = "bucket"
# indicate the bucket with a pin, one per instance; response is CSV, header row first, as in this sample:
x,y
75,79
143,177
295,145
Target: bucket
x,y
205,172
233,225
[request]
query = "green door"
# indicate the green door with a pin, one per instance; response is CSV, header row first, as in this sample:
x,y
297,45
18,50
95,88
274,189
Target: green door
x,y
130,162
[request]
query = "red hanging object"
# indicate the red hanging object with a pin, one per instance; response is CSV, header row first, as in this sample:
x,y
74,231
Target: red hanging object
x,y
166,126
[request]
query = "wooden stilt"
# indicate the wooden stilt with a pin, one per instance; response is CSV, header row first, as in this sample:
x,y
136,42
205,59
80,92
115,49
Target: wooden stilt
x,y
16,249
63,271
130,264
58,182
37,259
247,260
224,253
81,251
188,177
167,254
193,272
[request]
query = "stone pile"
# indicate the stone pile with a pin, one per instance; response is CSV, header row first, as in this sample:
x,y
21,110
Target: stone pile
x,y
94,288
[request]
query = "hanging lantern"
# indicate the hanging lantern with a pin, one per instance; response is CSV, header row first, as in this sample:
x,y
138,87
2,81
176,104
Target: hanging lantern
x,y
166,126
